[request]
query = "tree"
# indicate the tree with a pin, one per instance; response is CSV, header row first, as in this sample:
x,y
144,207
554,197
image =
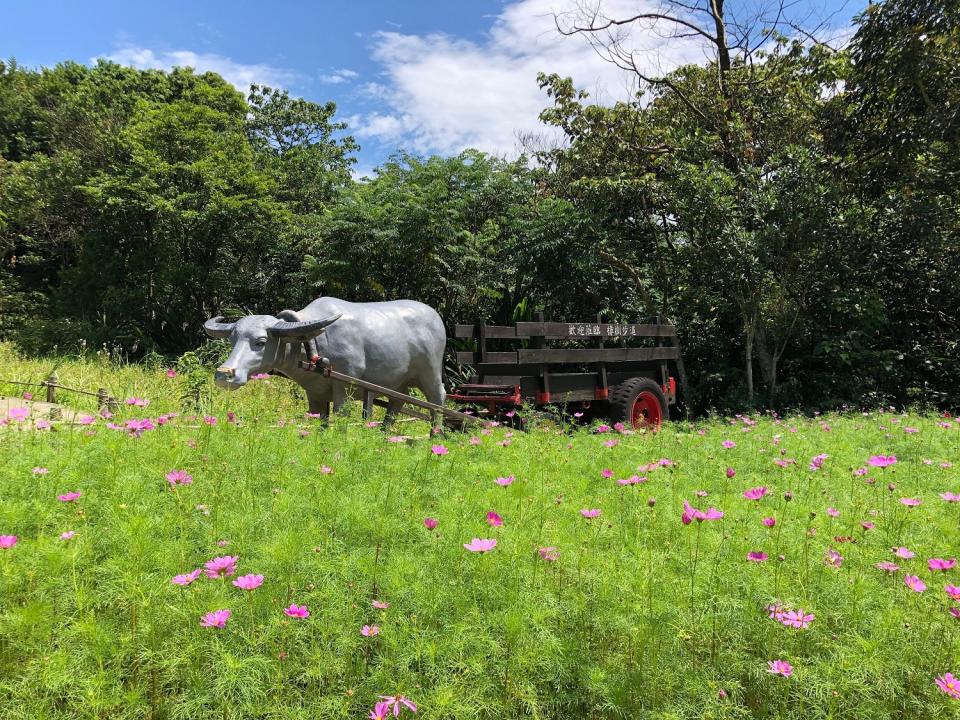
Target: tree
x,y
900,135
137,202
705,149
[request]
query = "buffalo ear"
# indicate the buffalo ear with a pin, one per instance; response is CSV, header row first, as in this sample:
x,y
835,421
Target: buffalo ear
x,y
301,330
215,327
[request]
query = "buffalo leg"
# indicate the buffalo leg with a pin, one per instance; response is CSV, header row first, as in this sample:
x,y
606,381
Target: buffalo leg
x,y
432,387
340,399
367,404
319,405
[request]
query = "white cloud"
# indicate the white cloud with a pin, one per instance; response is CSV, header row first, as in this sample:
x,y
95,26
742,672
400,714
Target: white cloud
x,y
240,75
444,94
336,77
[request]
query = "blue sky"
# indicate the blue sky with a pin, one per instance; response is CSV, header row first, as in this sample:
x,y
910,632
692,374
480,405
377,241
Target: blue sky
x,y
427,76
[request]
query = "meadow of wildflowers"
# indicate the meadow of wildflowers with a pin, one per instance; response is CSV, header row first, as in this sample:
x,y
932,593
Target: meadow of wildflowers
x,y
240,560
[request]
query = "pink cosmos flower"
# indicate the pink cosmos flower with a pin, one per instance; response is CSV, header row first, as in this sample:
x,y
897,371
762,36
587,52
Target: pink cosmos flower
x,y
590,512
691,513
179,477
797,619
18,413
757,557
215,619
68,535
86,420
69,497
221,567
210,419
504,481
817,462
701,493
776,612
187,578
439,449
955,611
833,558
769,521
40,471
479,545
950,497
380,711
397,702
429,523
632,480
171,373
941,564
953,591
248,582
475,440
28,396
911,430
137,427
260,376
326,469
380,605
950,685
867,525
914,583
728,444
755,493
882,461
137,401
780,667
902,552
299,612
731,472
493,519
607,473
369,630
42,424
8,541
603,428
887,566
910,502
550,554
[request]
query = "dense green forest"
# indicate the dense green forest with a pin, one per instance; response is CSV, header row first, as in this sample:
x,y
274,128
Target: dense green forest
x,y
792,208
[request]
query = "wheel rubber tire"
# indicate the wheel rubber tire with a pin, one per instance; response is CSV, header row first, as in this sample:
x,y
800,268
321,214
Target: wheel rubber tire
x,y
638,403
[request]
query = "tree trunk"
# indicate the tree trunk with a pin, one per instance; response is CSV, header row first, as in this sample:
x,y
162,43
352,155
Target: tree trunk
x,y
749,330
768,365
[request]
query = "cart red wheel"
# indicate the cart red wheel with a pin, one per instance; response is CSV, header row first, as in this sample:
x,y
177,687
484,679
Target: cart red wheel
x,y
647,411
639,402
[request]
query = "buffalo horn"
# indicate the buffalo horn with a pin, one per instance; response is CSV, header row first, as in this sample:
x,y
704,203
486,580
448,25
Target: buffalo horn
x,y
215,327
301,330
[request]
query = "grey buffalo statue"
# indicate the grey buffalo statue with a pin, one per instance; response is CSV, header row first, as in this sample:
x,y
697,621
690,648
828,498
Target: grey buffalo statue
x,y
396,344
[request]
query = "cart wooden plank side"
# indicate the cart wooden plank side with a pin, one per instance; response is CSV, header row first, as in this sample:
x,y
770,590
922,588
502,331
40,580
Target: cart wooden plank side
x,y
620,371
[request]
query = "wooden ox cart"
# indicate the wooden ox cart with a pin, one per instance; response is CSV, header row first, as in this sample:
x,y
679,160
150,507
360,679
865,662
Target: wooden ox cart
x,y
616,371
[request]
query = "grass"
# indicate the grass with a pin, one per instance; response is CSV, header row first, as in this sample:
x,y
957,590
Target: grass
x,y
639,616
